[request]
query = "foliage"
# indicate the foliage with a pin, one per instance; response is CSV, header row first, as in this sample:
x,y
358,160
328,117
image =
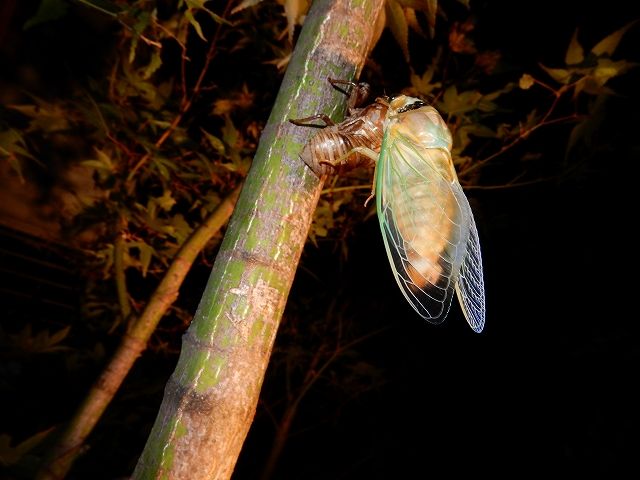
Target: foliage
x,y
161,141
157,138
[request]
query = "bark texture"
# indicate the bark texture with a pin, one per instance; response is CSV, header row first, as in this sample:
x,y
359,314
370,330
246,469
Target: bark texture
x,y
210,400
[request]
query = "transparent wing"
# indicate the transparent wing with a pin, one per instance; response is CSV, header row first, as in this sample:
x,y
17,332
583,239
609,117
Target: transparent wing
x,y
470,285
426,224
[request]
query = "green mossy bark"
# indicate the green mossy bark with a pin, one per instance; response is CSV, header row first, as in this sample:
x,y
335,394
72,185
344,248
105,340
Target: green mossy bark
x,y
211,397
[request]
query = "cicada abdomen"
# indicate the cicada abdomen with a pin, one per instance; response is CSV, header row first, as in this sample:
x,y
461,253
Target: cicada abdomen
x,y
337,148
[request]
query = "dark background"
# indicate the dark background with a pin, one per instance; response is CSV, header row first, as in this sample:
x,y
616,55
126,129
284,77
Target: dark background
x,y
547,388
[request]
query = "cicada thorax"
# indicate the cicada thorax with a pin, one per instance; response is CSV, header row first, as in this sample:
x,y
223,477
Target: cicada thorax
x,y
338,148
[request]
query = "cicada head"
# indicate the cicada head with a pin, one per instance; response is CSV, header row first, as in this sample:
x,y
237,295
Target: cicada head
x,y
418,121
403,103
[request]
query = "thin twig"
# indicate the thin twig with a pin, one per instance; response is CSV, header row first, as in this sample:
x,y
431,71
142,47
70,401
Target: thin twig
x,y
525,133
475,165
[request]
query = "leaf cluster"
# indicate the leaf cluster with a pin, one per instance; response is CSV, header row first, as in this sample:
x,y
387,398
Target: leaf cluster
x,y
158,140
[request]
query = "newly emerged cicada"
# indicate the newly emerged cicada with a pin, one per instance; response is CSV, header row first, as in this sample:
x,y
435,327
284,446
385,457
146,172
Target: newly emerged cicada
x,y
335,148
426,220
427,224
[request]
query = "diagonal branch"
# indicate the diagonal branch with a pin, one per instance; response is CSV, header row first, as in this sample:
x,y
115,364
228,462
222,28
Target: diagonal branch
x,y
71,443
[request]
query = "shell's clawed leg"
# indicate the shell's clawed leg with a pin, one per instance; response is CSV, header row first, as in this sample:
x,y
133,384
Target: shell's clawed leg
x,y
373,155
366,152
335,82
305,122
357,93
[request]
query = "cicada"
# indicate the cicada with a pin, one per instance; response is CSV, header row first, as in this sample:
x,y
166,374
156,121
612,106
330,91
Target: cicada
x,y
336,148
427,224
426,221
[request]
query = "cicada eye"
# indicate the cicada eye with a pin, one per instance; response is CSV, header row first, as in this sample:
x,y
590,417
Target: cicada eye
x,y
412,106
403,103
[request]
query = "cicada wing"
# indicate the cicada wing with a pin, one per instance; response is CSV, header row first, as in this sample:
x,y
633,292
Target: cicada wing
x,y
470,285
423,218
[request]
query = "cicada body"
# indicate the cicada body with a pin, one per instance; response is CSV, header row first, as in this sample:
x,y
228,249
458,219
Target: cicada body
x,y
427,225
335,149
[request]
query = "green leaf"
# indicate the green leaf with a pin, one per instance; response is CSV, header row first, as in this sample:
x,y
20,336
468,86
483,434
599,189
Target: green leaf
x,y
12,145
134,85
609,44
48,11
180,228
166,201
154,64
146,254
8,140
432,10
457,103
591,86
245,4
575,52
163,166
230,133
607,69
490,97
103,162
398,24
199,5
194,23
558,74
142,21
214,141
423,84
